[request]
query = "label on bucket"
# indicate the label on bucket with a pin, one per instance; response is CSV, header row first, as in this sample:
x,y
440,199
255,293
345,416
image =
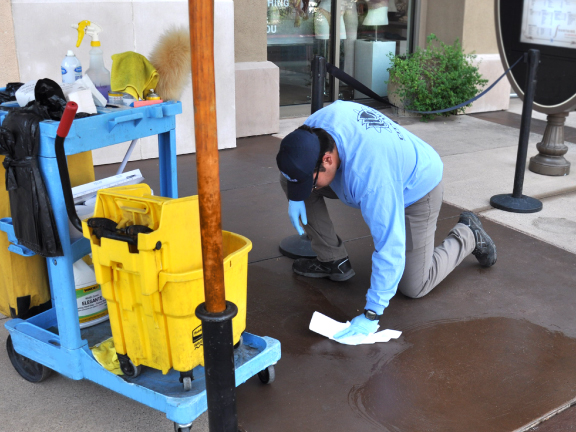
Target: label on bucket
x,y
91,304
197,337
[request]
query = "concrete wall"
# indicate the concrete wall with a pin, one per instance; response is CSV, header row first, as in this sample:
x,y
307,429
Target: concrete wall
x,y
8,58
257,80
444,18
257,98
250,30
470,21
43,34
479,31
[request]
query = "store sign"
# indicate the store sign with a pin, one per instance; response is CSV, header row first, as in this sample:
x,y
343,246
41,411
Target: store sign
x,y
289,21
549,22
550,27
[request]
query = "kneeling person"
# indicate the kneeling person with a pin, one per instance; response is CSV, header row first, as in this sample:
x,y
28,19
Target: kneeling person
x,y
355,153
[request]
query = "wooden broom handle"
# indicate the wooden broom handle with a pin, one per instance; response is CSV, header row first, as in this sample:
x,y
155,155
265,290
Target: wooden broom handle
x,y
201,18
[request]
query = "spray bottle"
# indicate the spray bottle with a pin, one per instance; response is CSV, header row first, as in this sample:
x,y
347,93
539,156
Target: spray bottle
x,y
71,68
99,75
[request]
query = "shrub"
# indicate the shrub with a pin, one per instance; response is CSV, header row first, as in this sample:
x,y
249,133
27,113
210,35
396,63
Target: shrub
x,y
438,77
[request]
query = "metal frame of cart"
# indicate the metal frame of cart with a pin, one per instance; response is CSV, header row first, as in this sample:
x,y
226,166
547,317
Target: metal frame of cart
x,y
53,338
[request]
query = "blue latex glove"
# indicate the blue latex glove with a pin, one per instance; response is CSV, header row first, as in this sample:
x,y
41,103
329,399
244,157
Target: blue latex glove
x,y
297,212
359,328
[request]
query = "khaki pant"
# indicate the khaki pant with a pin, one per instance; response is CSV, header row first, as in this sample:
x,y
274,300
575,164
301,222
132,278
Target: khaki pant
x,y
426,266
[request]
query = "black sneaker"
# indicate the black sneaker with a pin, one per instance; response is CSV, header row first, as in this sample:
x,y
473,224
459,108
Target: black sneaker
x,y
485,251
339,270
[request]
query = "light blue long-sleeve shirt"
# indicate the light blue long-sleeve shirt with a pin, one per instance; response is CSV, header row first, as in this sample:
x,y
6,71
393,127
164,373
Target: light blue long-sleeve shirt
x,y
383,169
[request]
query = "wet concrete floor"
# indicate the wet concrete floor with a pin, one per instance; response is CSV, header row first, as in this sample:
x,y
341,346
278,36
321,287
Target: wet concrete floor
x,y
487,350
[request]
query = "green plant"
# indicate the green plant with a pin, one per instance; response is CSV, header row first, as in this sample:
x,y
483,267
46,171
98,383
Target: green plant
x,y
435,78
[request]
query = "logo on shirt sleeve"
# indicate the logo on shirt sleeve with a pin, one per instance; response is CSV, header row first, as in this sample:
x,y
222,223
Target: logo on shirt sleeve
x,y
370,118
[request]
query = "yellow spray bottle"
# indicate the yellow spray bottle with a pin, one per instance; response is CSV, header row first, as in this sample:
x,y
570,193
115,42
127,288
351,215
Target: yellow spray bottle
x,y
99,75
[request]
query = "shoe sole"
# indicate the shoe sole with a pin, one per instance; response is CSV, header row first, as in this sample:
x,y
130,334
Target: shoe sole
x,y
341,277
489,240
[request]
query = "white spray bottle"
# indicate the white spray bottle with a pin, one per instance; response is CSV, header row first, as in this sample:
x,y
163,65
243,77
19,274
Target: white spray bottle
x,y
99,75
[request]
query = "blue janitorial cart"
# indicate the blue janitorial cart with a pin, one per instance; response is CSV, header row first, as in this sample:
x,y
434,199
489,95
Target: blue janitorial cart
x,y
53,340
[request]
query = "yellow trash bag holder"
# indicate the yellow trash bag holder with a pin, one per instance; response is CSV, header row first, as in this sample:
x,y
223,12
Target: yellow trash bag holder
x,y
153,288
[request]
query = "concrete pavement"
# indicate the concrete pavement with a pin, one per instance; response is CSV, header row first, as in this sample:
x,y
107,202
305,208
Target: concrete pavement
x,y
479,159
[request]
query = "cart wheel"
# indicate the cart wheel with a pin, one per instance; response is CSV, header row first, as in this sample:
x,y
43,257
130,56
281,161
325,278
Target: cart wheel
x,y
187,382
182,428
129,369
28,369
268,375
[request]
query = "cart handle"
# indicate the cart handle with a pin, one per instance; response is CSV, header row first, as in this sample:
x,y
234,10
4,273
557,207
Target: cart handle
x,y
61,134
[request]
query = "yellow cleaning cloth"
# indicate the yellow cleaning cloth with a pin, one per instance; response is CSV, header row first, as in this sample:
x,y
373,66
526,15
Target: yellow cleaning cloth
x,y
105,354
132,73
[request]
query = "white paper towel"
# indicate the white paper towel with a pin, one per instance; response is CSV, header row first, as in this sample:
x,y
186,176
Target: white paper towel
x,y
328,327
84,100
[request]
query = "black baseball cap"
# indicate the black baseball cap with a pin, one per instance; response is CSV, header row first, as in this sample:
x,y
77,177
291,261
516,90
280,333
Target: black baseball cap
x,y
299,152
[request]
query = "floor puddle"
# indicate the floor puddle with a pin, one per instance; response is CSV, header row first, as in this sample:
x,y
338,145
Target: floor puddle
x,y
493,374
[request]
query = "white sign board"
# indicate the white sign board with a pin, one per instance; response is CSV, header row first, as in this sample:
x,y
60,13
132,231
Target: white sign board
x,y
549,22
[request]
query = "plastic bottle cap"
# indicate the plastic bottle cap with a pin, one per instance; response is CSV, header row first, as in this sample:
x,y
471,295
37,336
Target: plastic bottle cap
x,y
70,53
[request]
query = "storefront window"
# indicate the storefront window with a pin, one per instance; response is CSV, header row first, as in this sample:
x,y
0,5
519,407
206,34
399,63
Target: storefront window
x,y
369,30
374,30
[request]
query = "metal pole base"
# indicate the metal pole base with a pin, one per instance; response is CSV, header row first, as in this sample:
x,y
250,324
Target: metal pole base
x,y
550,160
297,246
524,204
219,367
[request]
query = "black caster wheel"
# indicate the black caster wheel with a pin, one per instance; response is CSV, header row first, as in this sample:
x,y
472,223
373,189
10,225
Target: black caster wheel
x,y
128,368
268,375
28,369
182,428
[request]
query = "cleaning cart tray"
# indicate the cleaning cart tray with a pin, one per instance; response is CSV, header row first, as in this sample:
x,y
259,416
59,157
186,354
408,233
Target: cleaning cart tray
x,y
111,126
253,355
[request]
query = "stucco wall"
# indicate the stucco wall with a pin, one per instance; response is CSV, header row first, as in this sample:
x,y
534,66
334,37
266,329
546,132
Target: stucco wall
x,y
9,62
470,21
479,27
127,27
250,30
445,18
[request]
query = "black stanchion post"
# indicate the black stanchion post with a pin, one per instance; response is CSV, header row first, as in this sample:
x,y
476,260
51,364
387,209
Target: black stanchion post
x,y
318,83
219,367
516,202
299,246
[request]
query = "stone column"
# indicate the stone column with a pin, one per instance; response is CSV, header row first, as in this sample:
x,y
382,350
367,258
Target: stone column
x,y
550,161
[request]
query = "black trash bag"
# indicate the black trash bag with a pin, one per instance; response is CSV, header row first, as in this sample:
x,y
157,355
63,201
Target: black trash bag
x,y
32,215
49,102
9,94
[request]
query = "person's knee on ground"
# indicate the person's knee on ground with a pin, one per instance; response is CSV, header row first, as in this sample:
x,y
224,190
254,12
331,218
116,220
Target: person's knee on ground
x,y
413,287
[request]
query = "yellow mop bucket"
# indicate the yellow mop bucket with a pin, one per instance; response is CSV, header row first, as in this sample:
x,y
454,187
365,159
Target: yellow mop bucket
x,y
147,257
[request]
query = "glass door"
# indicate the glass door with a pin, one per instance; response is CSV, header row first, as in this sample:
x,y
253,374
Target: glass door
x,y
367,31
375,30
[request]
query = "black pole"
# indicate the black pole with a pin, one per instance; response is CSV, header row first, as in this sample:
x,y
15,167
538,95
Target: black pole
x,y
533,60
318,82
516,202
219,367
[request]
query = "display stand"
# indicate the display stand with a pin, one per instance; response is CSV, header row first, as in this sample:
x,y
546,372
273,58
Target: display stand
x,y
371,65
